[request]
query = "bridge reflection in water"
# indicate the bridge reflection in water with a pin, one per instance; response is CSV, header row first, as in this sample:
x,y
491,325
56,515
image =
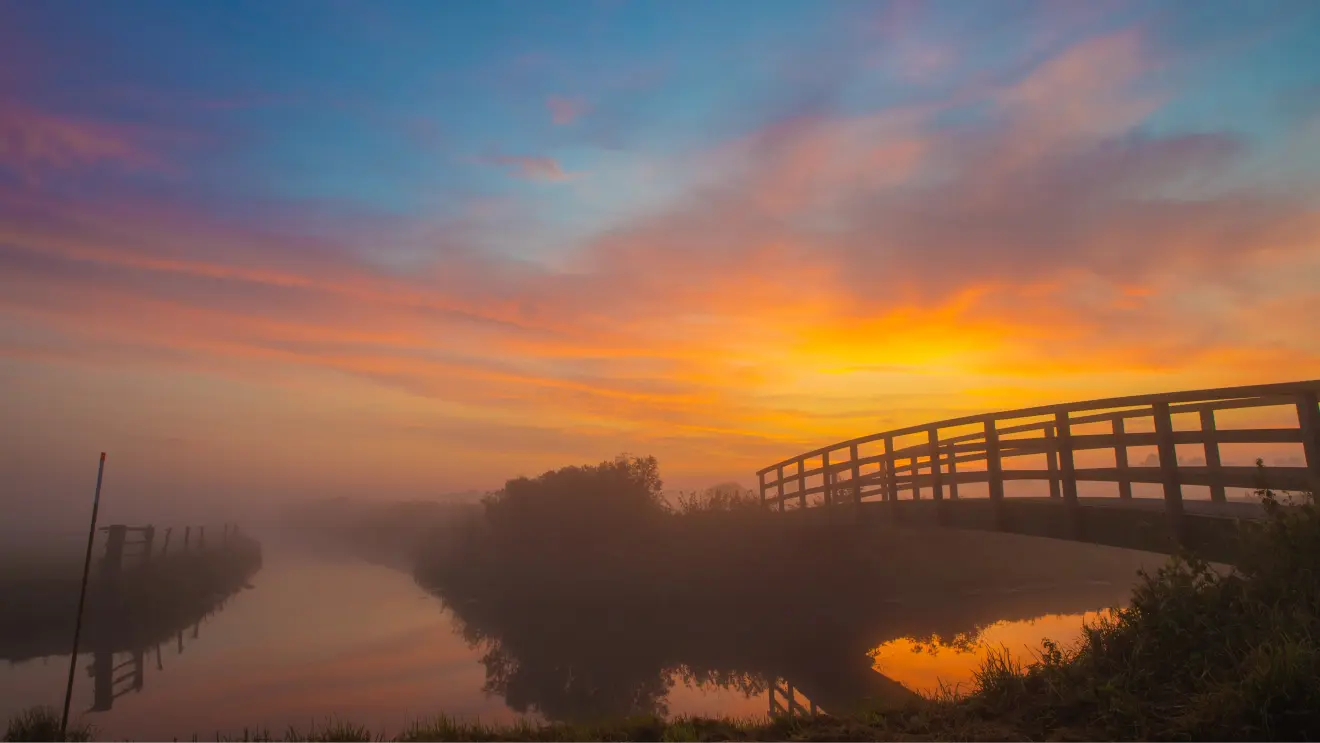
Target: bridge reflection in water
x,y
943,458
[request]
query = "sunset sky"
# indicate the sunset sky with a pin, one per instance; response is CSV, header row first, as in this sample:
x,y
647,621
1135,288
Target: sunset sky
x,y
395,249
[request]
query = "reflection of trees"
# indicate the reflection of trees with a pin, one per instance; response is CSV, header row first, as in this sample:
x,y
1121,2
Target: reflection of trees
x,y
569,667
586,596
587,663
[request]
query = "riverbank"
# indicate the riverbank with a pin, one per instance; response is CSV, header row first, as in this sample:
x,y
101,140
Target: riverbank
x,y
1197,654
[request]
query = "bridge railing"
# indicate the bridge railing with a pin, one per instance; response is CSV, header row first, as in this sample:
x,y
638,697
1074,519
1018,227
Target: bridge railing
x,y
937,457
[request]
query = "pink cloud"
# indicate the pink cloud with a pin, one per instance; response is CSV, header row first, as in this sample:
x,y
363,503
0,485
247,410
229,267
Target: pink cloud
x,y
1039,243
565,111
32,140
532,167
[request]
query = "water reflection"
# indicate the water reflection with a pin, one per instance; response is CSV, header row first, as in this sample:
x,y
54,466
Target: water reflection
x,y
113,678
322,637
563,664
927,665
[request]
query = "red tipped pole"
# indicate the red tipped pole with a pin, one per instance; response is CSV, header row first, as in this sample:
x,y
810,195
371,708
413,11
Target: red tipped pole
x,y
82,598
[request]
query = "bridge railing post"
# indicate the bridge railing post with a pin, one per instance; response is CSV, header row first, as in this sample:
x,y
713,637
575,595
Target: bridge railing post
x,y
995,474
761,477
802,482
1052,460
891,481
827,487
1308,420
1169,471
780,487
856,476
915,461
953,472
936,481
1121,458
1068,473
1212,462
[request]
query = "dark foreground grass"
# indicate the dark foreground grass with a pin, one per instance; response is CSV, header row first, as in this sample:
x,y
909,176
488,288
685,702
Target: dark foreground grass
x,y
1197,655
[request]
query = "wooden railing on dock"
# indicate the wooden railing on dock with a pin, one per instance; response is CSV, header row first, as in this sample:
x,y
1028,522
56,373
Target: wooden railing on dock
x,y
938,457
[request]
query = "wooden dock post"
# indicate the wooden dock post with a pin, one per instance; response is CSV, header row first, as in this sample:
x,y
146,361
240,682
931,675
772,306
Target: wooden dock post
x,y
1169,471
148,543
113,562
165,548
187,538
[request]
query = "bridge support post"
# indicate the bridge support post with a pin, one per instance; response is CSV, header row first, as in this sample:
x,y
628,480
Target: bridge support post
x,y
995,474
1169,472
1068,474
761,477
1121,460
1308,419
1052,460
1212,463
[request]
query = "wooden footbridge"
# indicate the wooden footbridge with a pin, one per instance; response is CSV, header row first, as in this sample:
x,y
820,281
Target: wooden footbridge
x,y
965,464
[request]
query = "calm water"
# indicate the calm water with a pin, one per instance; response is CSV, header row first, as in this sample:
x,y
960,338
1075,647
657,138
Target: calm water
x,y
317,636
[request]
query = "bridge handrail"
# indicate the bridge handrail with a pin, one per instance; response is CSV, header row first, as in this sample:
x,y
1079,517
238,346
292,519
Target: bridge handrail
x,y
1058,443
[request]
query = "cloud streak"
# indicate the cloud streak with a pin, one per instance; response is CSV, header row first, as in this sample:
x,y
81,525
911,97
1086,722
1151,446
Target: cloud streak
x,y
826,273
532,167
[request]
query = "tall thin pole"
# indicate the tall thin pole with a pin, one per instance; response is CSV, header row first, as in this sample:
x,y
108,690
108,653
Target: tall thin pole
x,y
82,598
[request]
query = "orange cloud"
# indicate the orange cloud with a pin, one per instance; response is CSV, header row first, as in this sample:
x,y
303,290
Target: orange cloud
x,y
824,277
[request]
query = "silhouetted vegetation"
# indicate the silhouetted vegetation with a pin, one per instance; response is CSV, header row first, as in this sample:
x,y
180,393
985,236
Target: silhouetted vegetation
x,y
42,724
